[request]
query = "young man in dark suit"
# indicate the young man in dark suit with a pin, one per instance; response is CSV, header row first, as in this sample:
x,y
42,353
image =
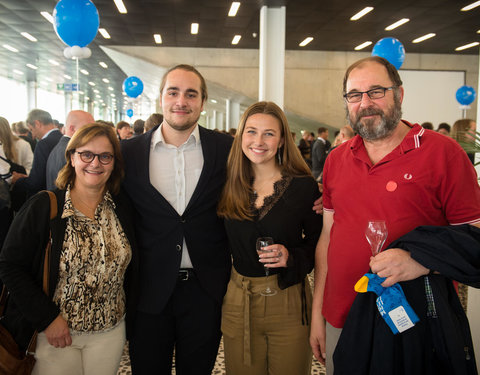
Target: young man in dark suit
x,y
174,176
41,125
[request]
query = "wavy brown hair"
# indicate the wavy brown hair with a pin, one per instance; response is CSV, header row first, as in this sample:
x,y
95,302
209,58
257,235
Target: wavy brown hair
x,y
7,139
81,137
235,199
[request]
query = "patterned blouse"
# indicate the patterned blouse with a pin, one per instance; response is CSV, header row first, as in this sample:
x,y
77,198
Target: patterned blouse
x,y
93,262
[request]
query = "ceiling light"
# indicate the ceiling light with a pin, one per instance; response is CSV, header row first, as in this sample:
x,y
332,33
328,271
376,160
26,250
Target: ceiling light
x,y
236,39
29,37
81,92
471,6
10,48
17,71
31,66
47,16
306,41
396,24
97,96
461,48
91,83
110,88
112,95
96,91
103,65
362,46
194,28
361,13
67,76
478,31
53,62
104,33
234,9
120,6
48,79
87,98
83,71
105,80
158,38
213,101
422,38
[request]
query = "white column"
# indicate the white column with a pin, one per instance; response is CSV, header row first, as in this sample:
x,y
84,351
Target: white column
x,y
68,102
31,95
213,120
219,121
232,116
272,54
228,124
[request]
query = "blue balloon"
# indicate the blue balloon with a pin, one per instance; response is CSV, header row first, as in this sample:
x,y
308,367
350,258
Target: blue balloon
x,y
133,86
465,95
391,49
76,22
129,112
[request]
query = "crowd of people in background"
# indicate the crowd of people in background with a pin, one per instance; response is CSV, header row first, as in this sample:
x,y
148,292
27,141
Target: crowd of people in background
x,y
155,239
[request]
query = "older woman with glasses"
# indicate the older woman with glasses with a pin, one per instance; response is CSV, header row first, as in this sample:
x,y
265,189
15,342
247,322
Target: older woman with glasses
x,y
81,322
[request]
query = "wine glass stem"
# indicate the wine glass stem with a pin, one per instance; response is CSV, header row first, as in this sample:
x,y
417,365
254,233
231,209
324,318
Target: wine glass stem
x,y
267,271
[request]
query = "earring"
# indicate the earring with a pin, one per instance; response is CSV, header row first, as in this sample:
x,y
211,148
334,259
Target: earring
x,y
279,156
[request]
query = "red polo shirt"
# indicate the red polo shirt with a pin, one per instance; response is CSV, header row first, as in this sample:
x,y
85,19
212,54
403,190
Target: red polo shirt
x,y
427,180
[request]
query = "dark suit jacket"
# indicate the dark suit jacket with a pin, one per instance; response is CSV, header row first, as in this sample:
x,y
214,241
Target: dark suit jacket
x,y
36,180
319,154
160,229
56,161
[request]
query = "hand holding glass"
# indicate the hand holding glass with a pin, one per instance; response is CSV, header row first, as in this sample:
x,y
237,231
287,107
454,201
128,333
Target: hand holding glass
x,y
262,242
376,233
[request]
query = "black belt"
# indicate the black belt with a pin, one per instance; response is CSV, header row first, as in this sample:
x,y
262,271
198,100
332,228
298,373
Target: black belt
x,y
185,274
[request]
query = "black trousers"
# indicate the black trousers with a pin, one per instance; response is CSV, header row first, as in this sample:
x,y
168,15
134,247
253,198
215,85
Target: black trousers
x,y
190,323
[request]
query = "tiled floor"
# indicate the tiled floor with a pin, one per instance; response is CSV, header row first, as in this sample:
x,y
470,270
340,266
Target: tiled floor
x,y
317,368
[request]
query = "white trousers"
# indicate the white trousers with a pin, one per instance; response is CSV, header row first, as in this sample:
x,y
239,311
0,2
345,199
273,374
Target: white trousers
x,y
333,334
89,354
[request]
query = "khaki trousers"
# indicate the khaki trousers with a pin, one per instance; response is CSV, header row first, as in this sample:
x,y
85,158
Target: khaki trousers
x,y
265,335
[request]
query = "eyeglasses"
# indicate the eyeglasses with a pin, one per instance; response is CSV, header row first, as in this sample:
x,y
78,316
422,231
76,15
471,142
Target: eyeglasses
x,y
376,93
88,156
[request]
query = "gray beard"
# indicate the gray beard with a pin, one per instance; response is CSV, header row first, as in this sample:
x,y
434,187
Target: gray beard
x,y
388,122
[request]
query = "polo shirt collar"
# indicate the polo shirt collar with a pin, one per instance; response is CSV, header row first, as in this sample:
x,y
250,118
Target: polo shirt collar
x,y
411,141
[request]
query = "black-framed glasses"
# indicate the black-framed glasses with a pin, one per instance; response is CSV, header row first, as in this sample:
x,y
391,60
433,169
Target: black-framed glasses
x,y
376,93
88,156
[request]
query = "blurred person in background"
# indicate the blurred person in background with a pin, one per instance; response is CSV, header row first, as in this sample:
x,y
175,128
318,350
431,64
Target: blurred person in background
x,y
124,130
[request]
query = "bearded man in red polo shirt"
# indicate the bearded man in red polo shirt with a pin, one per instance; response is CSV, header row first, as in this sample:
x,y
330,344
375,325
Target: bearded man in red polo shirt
x,y
392,171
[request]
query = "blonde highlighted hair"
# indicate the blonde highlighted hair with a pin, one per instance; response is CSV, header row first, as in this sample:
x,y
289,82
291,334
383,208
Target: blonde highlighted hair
x,y
81,137
8,139
235,199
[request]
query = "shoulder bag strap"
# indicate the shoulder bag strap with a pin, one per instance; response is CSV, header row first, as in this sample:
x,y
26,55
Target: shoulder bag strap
x,y
46,265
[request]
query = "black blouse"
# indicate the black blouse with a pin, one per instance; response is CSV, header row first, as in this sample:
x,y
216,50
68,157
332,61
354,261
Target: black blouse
x,y
288,218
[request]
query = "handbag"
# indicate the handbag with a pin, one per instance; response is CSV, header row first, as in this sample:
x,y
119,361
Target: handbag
x,y
16,197
12,360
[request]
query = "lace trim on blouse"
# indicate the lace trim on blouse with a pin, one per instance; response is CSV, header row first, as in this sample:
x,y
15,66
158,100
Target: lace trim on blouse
x,y
269,201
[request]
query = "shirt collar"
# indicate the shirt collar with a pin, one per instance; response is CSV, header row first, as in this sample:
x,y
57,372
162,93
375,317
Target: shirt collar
x,y
47,133
157,137
69,209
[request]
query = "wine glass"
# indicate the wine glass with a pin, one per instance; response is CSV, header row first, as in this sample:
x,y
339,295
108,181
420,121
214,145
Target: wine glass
x,y
376,233
262,242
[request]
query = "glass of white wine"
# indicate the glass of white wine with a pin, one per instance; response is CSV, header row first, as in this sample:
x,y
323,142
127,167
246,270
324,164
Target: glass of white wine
x,y
261,243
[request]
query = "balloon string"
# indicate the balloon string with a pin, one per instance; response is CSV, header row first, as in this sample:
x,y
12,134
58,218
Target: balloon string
x,y
78,83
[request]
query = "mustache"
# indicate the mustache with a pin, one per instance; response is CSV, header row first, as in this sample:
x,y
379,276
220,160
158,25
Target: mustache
x,y
369,112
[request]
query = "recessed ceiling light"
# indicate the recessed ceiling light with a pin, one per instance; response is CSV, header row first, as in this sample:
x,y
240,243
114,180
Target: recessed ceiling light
x,y
104,33
67,76
48,79
96,91
213,101
10,48
110,88
31,66
47,16
120,6
157,38
471,6
397,24
363,45
91,83
422,38
461,48
53,62
29,37
16,71
194,28
81,92
103,65
306,41
361,13
234,9
112,95
83,71
236,39
105,80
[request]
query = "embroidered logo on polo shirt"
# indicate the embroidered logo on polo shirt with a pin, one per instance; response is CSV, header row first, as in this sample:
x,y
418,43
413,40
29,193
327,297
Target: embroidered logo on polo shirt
x,y
407,176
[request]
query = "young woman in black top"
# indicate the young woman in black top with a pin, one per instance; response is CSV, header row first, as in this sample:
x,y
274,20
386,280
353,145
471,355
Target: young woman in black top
x,y
269,192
